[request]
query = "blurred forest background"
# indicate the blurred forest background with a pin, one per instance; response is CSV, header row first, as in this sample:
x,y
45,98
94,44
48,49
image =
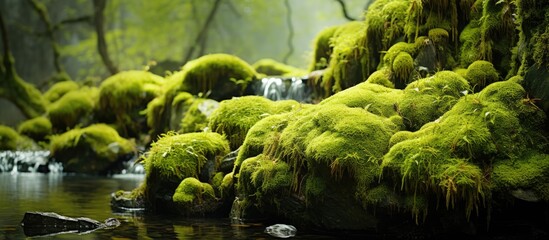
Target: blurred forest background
x,y
49,37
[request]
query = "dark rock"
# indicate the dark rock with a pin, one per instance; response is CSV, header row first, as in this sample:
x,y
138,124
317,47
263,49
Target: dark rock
x,y
49,223
227,163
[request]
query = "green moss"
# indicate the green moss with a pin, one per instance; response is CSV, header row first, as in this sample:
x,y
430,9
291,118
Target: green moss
x,y
59,89
322,48
196,118
271,67
193,197
217,76
402,67
481,73
217,179
439,36
398,48
427,99
123,96
470,42
235,117
345,67
449,157
8,138
93,149
73,108
381,77
226,187
528,173
36,128
175,157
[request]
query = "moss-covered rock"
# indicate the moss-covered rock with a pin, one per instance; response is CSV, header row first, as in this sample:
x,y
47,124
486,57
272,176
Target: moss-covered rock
x,y
235,117
481,73
271,67
322,45
8,138
381,77
449,158
427,99
197,116
97,149
123,96
73,108
59,89
175,157
195,198
37,128
216,76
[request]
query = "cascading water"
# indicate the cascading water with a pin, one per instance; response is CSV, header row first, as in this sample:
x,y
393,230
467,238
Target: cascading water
x,y
25,161
282,88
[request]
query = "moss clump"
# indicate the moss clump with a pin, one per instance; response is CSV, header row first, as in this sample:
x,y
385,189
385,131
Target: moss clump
x,y
235,117
217,76
470,42
175,157
402,68
381,77
73,108
94,149
528,173
271,67
193,197
8,138
123,96
427,99
59,89
481,73
37,128
322,46
345,67
449,158
196,118
439,36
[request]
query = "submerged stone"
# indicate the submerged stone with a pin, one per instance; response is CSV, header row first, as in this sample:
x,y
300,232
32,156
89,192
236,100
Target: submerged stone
x,y
48,223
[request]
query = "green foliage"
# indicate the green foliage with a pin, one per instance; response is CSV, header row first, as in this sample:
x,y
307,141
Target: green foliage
x,y
124,95
59,89
37,128
427,99
481,73
73,108
8,138
271,67
235,117
175,157
90,150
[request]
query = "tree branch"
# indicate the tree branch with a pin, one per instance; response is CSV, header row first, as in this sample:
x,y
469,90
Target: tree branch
x,y
203,31
291,31
344,10
99,7
42,11
86,18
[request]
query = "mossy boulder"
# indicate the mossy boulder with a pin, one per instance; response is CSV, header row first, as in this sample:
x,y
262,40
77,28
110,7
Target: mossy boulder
x,y
73,108
235,117
481,73
8,138
97,149
216,76
449,158
37,128
427,99
195,198
123,96
59,89
271,67
322,45
197,116
381,77
175,157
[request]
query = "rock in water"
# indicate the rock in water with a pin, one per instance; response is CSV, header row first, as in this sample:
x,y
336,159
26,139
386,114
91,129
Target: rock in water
x,y
281,230
49,223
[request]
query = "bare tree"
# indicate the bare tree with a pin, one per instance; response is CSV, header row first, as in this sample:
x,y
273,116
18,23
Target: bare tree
x,y
99,9
201,38
344,10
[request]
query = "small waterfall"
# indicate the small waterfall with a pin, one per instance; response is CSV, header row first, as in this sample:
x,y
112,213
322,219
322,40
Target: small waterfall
x,y
282,88
24,161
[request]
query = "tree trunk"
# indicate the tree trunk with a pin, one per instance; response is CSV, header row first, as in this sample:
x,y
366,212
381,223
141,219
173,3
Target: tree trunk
x,y
99,7
291,31
201,38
